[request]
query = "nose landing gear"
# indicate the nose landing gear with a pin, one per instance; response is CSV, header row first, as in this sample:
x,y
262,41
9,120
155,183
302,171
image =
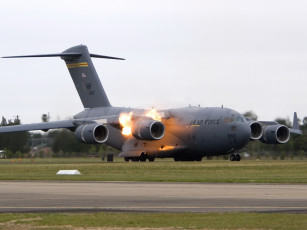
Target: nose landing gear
x,y
235,157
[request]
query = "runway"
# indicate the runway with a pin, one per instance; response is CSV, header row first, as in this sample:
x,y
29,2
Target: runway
x,y
21,196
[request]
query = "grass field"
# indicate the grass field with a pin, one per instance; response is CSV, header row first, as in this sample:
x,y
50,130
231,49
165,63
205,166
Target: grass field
x,y
93,169
152,220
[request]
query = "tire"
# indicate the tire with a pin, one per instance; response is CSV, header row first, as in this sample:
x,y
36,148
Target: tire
x,y
151,159
232,157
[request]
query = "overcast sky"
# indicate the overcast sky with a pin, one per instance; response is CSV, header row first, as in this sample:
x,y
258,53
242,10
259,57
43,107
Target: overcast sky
x,y
245,55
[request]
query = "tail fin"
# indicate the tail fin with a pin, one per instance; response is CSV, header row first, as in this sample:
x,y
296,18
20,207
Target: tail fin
x,y
83,73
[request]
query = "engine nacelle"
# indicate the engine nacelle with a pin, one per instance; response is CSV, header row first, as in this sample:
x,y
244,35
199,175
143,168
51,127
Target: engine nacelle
x,y
275,134
148,130
256,130
92,133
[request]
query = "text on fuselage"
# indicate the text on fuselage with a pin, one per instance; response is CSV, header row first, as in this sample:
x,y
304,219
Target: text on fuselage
x,y
205,122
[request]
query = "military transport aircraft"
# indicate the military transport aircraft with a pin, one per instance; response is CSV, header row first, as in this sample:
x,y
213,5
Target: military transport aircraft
x,y
185,134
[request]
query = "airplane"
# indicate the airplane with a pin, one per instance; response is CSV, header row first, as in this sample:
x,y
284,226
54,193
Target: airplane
x,y
185,134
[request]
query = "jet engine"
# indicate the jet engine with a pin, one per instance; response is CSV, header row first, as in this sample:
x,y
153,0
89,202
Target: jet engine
x,y
275,134
92,133
256,130
148,130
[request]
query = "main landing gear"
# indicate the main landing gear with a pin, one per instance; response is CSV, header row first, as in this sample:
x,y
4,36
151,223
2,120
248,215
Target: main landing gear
x,y
235,157
143,157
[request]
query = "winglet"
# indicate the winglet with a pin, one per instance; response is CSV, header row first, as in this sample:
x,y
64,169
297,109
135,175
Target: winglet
x,y
296,128
295,121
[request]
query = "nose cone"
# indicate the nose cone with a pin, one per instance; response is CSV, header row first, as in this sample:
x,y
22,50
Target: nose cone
x,y
244,134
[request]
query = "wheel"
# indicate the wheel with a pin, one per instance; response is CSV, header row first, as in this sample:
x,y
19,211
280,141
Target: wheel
x,y
135,159
232,157
238,157
151,159
143,157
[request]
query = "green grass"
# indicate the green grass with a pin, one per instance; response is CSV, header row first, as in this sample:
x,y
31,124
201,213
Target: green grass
x,y
159,171
154,220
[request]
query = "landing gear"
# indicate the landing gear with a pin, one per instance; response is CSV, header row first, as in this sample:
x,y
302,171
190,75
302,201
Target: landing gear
x,y
143,157
151,159
235,157
134,158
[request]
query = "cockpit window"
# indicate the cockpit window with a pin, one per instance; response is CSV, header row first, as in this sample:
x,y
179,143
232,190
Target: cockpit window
x,y
234,117
240,118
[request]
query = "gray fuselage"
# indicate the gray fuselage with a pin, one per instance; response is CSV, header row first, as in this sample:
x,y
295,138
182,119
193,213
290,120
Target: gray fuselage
x,y
191,131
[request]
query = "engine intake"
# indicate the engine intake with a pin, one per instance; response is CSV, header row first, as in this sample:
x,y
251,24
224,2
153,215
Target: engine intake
x,y
275,134
256,130
148,130
92,133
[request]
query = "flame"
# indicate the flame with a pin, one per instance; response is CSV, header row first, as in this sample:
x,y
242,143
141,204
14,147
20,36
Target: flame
x,y
166,148
125,121
154,115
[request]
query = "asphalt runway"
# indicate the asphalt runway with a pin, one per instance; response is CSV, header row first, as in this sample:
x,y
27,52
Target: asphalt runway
x,y
21,196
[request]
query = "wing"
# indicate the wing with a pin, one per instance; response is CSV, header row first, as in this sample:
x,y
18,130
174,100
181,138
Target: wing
x,y
45,126
295,129
68,124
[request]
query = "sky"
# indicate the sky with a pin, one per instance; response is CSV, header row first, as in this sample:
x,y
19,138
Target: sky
x,y
244,55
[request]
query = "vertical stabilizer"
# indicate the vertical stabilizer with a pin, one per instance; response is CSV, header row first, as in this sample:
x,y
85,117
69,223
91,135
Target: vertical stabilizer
x,y
83,73
85,77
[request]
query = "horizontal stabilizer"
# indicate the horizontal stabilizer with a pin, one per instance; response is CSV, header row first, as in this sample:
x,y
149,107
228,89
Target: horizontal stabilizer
x,y
47,55
107,57
64,55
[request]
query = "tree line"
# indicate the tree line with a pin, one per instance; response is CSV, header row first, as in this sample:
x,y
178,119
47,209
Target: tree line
x,y
14,143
